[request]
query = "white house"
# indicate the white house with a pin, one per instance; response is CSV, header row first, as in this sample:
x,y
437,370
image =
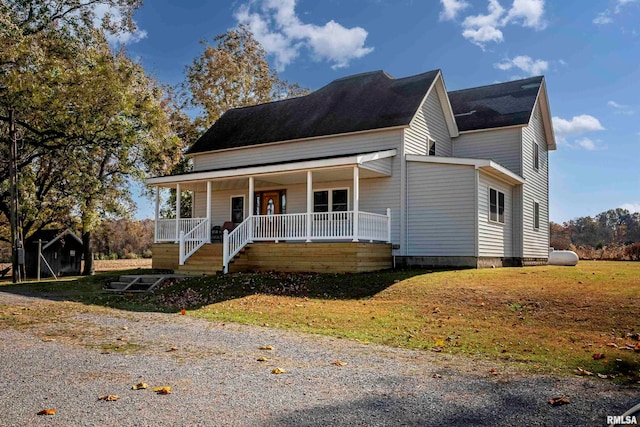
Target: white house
x,y
366,172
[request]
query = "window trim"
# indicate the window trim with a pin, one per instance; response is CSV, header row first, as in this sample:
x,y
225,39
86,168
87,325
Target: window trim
x,y
330,198
244,206
497,220
536,215
536,156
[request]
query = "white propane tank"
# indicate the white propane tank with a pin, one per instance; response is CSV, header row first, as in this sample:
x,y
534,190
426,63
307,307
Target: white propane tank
x,y
569,258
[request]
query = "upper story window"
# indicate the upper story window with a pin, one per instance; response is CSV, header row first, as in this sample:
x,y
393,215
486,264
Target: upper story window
x,y
431,147
536,215
496,206
536,156
331,200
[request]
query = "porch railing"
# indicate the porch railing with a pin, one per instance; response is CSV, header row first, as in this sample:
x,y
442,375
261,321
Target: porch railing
x,y
294,227
168,230
193,240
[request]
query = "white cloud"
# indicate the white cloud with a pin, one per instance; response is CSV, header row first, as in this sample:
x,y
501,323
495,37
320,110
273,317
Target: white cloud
x,y
482,29
451,8
577,125
587,144
524,63
620,109
529,12
631,207
276,26
603,18
127,37
606,17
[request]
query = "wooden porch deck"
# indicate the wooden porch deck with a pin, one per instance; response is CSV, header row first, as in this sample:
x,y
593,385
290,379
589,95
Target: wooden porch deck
x,y
320,257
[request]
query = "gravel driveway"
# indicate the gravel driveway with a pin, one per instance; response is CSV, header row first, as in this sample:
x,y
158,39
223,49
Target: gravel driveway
x,y
216,379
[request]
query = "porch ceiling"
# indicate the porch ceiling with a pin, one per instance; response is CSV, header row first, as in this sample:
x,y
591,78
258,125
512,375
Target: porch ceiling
x,y
372,165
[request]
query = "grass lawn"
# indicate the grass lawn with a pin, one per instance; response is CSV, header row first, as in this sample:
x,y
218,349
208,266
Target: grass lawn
x,y
542,318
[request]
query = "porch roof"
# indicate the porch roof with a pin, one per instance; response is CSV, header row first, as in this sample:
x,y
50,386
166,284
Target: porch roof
x,y
373,164
485,165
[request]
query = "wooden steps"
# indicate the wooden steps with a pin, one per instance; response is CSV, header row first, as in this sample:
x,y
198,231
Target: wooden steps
x,y
139,283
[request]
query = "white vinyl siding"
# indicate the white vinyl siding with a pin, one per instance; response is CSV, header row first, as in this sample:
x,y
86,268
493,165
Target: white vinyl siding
x,y
500,145
535,189
494,238
365,142
428,122
441,209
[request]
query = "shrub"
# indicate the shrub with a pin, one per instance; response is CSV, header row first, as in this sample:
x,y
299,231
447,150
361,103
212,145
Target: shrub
x,y
633,251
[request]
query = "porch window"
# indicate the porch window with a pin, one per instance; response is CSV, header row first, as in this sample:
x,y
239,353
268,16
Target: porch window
x,y
331,200
496,206
237,209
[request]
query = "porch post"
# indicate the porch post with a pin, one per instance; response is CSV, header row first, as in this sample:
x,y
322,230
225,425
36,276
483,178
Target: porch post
x,y
252,200
178,212
309,203
209,211
356,201
157,217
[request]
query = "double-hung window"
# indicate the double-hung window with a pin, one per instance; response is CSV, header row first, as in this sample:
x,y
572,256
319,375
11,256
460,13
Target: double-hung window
x,y
536,156
331,200
496,206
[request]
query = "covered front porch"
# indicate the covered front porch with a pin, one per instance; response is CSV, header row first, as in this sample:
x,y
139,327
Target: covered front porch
x,y
306,202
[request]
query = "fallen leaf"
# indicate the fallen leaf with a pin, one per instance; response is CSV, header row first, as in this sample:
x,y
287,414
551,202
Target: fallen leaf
x,y
261,359
493,371
183,311
51,411
598,356
603,376
172,348
338,363
162,390
557,401
436,376
265,347
439,343
125,328
278,371
140,386
436,349
109,397
612,344
48,339
637,347
581,371
123,339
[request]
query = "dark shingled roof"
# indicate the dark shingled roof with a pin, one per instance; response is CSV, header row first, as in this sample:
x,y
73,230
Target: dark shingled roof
x,y
494,106
366,101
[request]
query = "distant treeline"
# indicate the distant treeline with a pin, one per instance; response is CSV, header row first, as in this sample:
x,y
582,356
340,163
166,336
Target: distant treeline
x,y
613,234
123,238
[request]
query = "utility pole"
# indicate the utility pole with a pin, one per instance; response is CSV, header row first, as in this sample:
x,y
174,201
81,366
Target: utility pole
x,y
13,184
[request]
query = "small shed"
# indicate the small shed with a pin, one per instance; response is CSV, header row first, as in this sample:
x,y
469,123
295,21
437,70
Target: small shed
x,y
61,249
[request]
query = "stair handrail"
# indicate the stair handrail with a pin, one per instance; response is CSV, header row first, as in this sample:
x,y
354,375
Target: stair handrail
x,y
193,240
234,241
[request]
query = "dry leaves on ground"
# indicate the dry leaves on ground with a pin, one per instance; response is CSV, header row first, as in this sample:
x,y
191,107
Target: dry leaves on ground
x,y
51,411
109,397
338,363
265,347
557,401
140,386
162,390
278,371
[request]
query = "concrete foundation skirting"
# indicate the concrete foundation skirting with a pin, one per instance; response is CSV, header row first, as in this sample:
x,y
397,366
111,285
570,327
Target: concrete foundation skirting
x,y
465,262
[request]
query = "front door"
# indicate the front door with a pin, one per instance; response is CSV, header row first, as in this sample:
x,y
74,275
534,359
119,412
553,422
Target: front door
x,y
270,203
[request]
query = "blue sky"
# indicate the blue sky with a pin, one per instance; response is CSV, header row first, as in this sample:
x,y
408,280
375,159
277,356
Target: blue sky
x,y
589,52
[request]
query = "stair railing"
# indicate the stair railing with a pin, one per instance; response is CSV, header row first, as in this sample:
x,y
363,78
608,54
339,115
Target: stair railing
x,y
193,240
234,241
